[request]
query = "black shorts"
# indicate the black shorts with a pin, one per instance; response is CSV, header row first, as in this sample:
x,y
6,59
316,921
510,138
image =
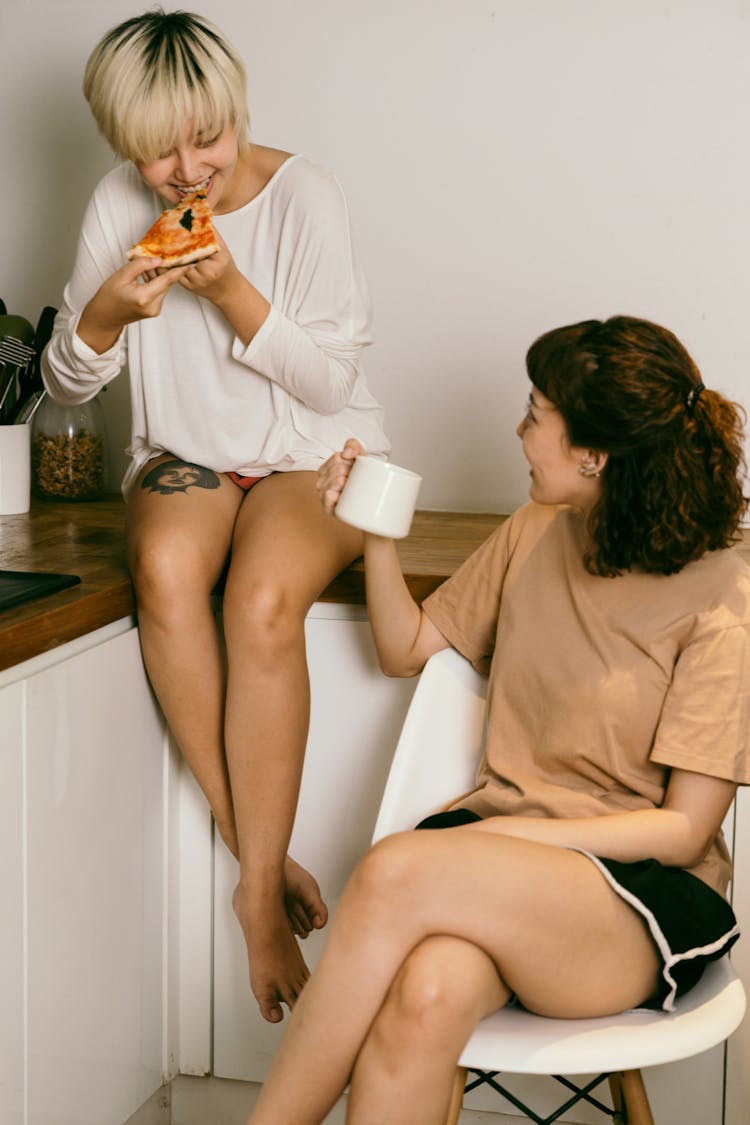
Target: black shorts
x,y
689,922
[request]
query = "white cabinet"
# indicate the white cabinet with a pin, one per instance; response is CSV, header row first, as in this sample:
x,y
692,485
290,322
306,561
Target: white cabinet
x,y
83,822
12,988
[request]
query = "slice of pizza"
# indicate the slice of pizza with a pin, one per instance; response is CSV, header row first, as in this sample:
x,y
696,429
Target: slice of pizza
x,y
180,235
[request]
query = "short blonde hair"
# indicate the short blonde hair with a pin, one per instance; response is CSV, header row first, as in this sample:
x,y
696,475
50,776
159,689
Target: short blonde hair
x,y
151,74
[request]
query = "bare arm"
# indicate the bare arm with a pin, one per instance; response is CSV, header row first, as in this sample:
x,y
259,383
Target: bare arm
x,y
124,298
405,638
678,834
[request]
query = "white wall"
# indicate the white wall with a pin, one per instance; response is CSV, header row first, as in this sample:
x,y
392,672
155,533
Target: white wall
x,y
511,166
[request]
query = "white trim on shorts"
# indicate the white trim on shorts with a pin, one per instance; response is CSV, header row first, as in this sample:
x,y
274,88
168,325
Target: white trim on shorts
x,y
669,958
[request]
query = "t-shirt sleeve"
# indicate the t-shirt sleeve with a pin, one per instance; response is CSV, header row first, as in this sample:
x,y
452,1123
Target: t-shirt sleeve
x,y
705,722
465,607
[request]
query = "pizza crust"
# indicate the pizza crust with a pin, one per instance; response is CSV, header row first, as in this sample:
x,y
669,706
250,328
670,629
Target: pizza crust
x,y
169,261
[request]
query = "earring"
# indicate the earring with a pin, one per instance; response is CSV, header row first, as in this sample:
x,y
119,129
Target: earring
x,y
587,471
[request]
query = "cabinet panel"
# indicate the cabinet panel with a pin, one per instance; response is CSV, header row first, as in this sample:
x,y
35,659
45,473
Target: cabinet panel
x,y
12,964
95,747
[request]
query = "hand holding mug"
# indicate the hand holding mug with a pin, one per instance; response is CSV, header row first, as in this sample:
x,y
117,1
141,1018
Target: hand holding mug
x,y
334,473
369,492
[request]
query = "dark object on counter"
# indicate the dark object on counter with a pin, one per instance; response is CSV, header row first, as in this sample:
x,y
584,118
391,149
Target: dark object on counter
x,y
30,385
16,354
19,586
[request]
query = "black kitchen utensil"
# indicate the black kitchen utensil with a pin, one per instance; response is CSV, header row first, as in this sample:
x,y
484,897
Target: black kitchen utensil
x,y
16,352
17,327
27,409
44,328
30,385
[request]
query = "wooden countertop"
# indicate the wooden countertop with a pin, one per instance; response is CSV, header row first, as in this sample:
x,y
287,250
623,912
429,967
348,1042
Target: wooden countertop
x,y
88,539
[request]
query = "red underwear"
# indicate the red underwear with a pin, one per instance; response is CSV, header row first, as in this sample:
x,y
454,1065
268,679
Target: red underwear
x,y
245,483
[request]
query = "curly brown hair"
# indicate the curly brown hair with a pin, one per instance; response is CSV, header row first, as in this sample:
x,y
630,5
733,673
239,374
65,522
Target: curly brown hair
x,y
672,487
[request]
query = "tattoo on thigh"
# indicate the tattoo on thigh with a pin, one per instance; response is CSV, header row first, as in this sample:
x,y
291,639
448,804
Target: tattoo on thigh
x,y
178,476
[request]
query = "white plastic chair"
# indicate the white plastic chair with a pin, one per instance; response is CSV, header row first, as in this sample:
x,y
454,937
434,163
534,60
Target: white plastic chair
x,y
436,760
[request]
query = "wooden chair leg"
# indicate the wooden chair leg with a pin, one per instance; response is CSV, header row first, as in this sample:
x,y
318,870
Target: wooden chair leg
x,y
457,1096
615,1089
637,1109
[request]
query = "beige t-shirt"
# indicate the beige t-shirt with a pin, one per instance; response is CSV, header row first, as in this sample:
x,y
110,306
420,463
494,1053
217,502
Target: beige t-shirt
x,y
599,685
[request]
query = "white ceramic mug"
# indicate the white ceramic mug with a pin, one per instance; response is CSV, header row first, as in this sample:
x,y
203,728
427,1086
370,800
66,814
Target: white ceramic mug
x,y
379,497
15,469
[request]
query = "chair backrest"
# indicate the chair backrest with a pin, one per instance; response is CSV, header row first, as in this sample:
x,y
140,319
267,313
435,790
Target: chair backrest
x,y
441,740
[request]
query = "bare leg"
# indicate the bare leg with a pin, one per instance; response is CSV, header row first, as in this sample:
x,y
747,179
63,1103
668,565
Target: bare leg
x,y
178,543
494,892
285,550
178,546
441,992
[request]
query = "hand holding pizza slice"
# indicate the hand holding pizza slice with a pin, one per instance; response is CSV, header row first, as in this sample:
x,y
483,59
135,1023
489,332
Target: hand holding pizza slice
x,y
181,235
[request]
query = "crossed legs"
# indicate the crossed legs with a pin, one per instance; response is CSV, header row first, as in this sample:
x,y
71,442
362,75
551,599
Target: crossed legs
x,y
238,708
436,929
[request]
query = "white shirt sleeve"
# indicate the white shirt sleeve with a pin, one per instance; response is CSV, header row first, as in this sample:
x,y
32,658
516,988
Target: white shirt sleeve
x,y
72,371
310,343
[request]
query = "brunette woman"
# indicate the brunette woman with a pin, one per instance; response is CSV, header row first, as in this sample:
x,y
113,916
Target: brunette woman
x,y
586,873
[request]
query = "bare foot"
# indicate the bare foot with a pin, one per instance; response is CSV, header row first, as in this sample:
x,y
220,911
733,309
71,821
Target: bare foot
x,y
302,899
277,970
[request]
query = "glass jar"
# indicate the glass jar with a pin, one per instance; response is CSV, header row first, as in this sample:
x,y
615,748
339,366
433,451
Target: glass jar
x,y
67,450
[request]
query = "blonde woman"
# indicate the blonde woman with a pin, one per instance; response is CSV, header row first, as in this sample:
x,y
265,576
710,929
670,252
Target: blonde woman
x,y
245,374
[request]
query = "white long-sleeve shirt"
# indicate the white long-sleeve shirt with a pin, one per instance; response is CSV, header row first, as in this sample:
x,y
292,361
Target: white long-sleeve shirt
x,y
284,402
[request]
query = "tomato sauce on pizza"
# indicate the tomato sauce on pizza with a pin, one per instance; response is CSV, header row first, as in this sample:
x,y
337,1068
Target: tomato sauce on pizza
x,y
181,234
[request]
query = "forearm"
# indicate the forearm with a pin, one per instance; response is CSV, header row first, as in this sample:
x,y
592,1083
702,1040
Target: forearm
x,y
404,637
96,331
243,306
666,835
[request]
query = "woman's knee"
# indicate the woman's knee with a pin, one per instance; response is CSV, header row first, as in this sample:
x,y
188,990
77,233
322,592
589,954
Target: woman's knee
x,y
167,567
262,615
384,881
436,999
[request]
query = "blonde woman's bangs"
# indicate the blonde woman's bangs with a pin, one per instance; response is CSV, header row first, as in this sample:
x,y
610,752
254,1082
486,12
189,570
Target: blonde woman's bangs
x,y
144,85
158,116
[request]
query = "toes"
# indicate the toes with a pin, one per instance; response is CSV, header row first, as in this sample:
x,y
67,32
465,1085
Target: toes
x,y
299,920
271,1011
292,994
287,993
